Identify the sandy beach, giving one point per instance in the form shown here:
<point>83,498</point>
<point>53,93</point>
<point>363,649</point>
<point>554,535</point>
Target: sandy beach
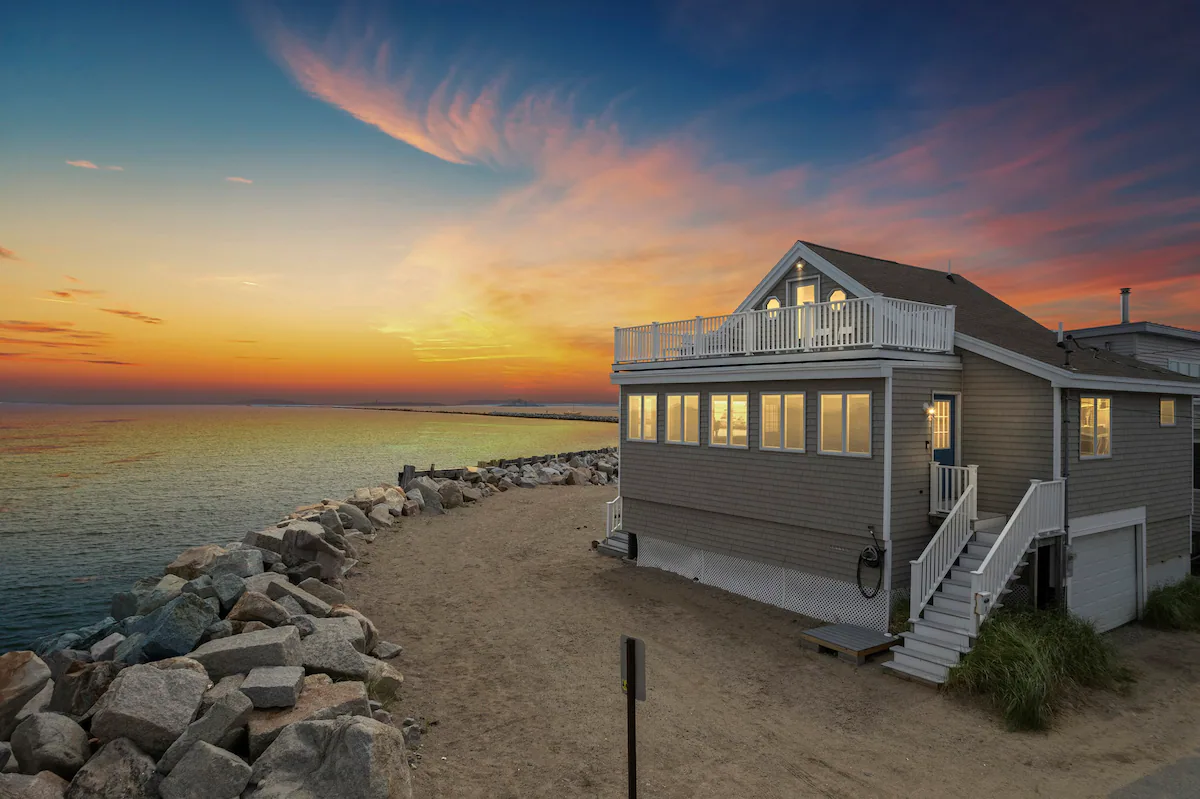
<point>510,626</point>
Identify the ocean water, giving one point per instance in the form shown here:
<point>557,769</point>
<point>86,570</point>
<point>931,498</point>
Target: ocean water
<point>92,498</point>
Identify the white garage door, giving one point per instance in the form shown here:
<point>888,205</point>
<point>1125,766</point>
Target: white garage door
<point>1104,577</point>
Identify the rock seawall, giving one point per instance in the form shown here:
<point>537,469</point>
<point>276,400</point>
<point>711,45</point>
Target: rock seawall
<point>241,670</point>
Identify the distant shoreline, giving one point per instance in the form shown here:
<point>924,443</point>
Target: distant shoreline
<point>570,417</point>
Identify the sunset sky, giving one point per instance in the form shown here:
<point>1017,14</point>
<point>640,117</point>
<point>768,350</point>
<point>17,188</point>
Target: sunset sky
<point>459,199</point>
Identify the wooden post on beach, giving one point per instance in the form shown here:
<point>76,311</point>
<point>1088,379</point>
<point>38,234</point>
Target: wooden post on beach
<point>407,475</point>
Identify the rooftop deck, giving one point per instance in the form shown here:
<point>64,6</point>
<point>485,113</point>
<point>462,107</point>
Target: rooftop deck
<point>864,323</point>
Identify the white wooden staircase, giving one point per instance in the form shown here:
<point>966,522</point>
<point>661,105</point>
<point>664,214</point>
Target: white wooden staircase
<point>963,576</point>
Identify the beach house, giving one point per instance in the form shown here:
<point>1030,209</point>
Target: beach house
<point>858,433</point>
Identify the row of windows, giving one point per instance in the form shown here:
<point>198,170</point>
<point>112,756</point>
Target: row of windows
<point>843,421</point>
<point>1095,424</point>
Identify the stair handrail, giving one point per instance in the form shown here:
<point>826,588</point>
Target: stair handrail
<point>613,511</point>
<point>1040,511</point>
<point>940,553</point>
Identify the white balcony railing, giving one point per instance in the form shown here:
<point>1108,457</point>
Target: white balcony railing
<point>1041,511</point>
<point>875,321</point>
<point>948,483</point>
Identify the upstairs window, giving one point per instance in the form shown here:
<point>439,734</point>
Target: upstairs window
<point>1166,412</point>
<point>1184,367</point>
<point>845,424</point>
<point>643,417</point>
<point>729,422</point>
<point>782,422</point>
<point>772,305</point>
<point>683,418</point>
<point>838,298</point>
<point>1095,427</point>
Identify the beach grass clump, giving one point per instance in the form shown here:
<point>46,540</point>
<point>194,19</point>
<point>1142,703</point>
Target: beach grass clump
<point>1028,664</point>
<point>1174,607</point>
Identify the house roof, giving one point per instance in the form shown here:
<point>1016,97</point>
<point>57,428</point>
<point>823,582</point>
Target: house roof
<point>1154,328</point>
<point>984,316</point>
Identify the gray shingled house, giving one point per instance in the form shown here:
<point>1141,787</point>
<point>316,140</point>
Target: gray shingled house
<point>1174,348</point>
<point>858,431</point>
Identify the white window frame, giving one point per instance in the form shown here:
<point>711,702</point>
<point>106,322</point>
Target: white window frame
<point>1174,413</point>
<point>729,410</point>
<point>682,419</point>
<point>1095,399</point>
<point>641,398</point>
<point>783,395</point>
<point>846,425</point>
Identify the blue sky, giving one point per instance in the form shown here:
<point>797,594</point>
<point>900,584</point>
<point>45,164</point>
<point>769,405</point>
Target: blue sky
<point>474,162</point>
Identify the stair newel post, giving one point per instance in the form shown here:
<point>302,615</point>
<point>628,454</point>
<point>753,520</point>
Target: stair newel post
<point>748,334</point>
<point>698,336</point>
<point>973,482</point>
<point>655,343</point>
<point>935,501</point>
<point>949,333</point>
<point>915,602</point>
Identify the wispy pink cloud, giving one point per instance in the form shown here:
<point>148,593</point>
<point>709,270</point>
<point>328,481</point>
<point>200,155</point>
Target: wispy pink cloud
<point>136,316</point>
<point>457,122</point>
<point>239,180</point>
<point>8,255</point>
<point>90,165</point>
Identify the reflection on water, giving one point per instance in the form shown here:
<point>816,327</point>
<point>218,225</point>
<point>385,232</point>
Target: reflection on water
<point>91,500</point>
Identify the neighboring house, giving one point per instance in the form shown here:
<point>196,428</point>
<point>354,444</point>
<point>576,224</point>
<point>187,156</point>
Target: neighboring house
<point>1174,348</point>
<point>858,431</point>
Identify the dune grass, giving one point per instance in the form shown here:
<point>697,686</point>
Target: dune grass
<point>1028,664</point>
<point>1174,607</point>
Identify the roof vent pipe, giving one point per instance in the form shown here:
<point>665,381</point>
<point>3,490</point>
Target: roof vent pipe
<point>1125,306</point>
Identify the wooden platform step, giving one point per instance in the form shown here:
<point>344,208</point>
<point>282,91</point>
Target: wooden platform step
<point>849,642</point>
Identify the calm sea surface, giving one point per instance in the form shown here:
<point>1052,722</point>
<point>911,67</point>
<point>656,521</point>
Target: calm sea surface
<point>94,498</point>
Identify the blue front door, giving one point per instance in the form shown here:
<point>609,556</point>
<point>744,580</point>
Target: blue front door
<point>945,429</point>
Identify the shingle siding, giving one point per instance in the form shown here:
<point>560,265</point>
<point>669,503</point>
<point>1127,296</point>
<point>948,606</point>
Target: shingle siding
<point>803,509</point>
<point>1150,465</point>
<point>1007,430</point>
<point>911,529</point>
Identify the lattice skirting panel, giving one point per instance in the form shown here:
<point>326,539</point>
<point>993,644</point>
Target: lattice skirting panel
<point>811,594</point>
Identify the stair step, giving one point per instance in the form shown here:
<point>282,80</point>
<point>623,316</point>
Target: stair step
<point>935,630</point>
<point>924,638</point>
<point>934,649</point>
<point>612,549</point>
<point>934,671</point>
<point>969,563</point>
<point>947,618</point>
<point>961,607</point>
<point>960,575</point>
<point>937,657</point>
<point>986,538</point>
<point>905,672</point>
<point>990,522</point>
<point>956,589</point>
<point>978,550</point>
